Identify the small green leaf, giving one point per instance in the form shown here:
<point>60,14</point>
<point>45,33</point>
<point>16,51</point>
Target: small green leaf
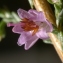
<point>48,41</point>
<point>7,17</point>
<point>2,30</point>
<point>60,37</point>
<point>31,3</point>
<point>50,1</point>
<point>59,21</point>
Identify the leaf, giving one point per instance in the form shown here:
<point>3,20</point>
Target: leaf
<point>2,30</point>
<point>59,21</point>
<point>50,1</point>
<point>31,3</point>
<point>8,16</point>
<point>60,37</point>
<point>58,5</point>
<point>13,17</point>
<point>48,41</point>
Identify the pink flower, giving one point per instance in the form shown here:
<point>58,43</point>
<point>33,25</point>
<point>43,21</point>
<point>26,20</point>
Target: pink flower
<point>33,26</point>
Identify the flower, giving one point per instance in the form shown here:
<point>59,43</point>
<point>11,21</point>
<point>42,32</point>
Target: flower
<point>33,25</point>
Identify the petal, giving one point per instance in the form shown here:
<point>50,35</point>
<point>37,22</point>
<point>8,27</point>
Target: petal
<point>42,35</point>
<point>27,39</point>
<point>10,24</point>
<point>37,16</point>
<point>21,40</point>
<point>33,12</point>
<point>23,14</point>
<point>48,27</point>
<point>30,42</point>
<point>17,28</point>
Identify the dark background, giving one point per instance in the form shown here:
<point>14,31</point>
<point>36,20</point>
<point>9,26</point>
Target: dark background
<point>10,52</point>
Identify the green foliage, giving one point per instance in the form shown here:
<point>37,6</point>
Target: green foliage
<point>7,17</point>
<point>60,37</point>
<point>48,41</point>
<point>31,3</point>
<point>59,21</point>
<point>58,6</point>
<point>50,1</point>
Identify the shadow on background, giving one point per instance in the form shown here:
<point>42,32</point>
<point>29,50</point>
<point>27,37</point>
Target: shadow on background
<point>10,52</point>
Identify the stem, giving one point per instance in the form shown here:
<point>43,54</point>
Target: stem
<point>42,5</point>
<point>57,45</point>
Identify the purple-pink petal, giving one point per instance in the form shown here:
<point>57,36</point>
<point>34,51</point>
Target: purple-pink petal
<point>37,16</point>
<point>23,14</point>
<point>10,24</point>
<point>27,39</point>
<point>46,28</point>
<point>17,28</point>
<point>21,40</point>
<point>42,34</point>
<point>30,42</point>
<point>33,12</point>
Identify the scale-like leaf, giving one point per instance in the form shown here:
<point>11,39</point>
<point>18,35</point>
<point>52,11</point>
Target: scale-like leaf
<point>59,21</point>
<point>50,1</point>
<point>31,3</point>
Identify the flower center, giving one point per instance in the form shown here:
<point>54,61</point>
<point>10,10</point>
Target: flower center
<point>29,25</point>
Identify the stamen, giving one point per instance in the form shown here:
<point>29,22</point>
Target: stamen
<point>29,25</point>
